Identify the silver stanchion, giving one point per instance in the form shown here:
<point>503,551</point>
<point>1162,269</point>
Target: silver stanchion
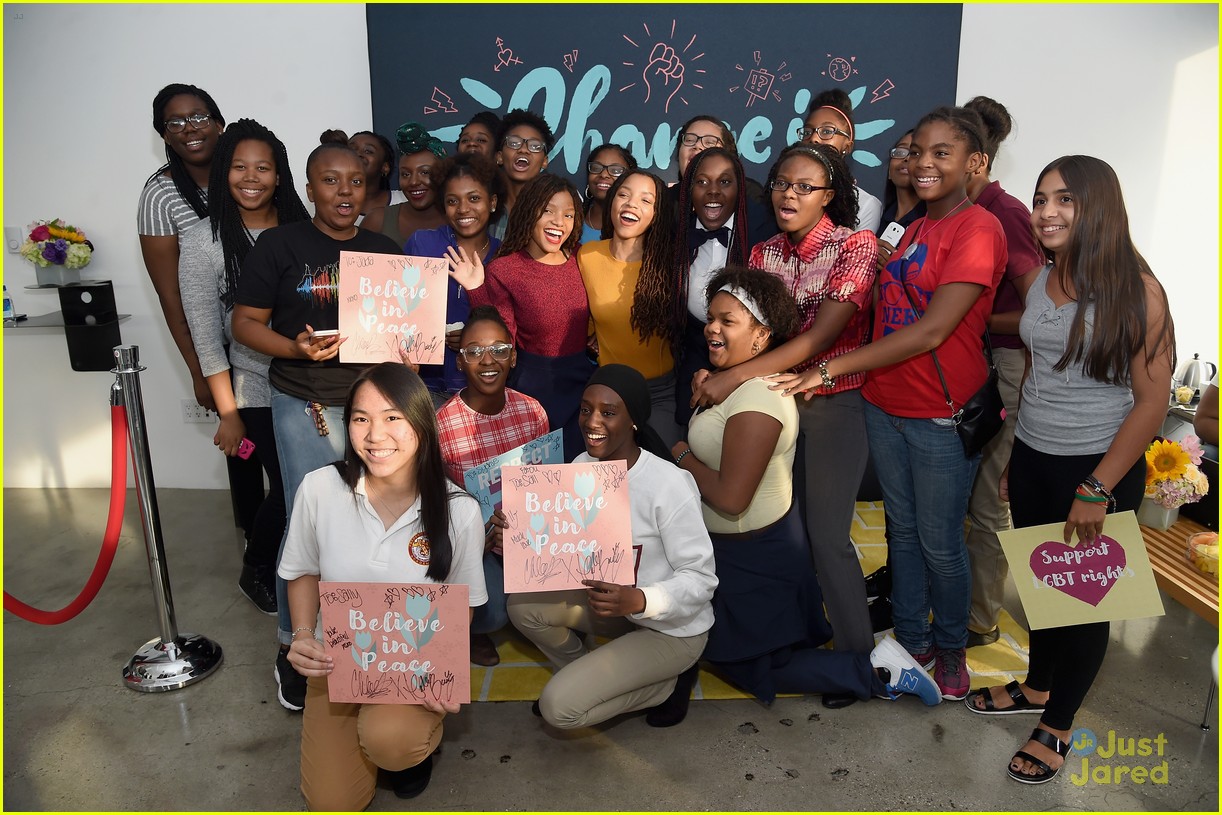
<point>173,660</point>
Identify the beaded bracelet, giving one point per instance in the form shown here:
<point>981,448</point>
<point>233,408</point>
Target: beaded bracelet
<point>303,628</point>
<point>681,455</point>
<point>828,381</point>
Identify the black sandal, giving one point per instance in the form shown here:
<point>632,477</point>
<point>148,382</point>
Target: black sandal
<point>1021,703</point>
<point>1045,773</point>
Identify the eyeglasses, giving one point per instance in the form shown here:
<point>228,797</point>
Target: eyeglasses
<point>474,353</point>
<point>825,132</point>
<point>613,170</point>
<point>900,152</point>
<point>691,140</point>
<point>198,122</point>
<point>515,143</point>
<point>800,187</point>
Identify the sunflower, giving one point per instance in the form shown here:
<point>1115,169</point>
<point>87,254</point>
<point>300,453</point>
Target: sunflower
<point>1165,460</point>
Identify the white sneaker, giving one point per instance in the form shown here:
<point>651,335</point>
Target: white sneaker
<point>907,676</point>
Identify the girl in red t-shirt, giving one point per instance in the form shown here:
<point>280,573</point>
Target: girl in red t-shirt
<point>933,296</point>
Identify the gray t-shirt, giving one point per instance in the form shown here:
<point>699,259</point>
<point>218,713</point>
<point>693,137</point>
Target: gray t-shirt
<point>163,211</point>
<point>1064,413</point>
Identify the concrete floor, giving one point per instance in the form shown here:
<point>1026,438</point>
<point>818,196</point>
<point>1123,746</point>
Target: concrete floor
<point>76,739</point>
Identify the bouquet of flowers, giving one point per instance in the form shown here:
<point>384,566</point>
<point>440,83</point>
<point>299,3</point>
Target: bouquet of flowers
<point>56,243</point>
<point>1172,475</point>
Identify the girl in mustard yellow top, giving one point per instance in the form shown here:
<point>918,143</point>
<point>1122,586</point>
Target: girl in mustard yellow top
<point>630,293</point>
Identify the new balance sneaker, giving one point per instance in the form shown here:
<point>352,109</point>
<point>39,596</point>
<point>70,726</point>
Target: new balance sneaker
<point>290,685</point>
<point>951,674</point>
<point>906,674</point>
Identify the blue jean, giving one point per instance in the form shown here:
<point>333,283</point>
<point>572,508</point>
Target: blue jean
<point>492,615</point>
<point>926,482</point>
<point>301,450</point>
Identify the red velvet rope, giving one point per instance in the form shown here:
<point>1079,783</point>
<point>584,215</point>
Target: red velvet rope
<point>110,541</point>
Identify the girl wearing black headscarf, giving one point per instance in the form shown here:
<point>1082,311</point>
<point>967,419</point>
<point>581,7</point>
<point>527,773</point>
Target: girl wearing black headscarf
<point>659,624</point>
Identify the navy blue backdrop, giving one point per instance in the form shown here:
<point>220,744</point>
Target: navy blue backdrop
<point>632,74</point>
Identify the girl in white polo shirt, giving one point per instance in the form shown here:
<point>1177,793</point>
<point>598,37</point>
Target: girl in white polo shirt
<point>385,513</point>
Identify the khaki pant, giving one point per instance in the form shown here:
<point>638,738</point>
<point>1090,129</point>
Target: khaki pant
<point>342,746</point>
<point>987,512</point>
<point>636,670</point>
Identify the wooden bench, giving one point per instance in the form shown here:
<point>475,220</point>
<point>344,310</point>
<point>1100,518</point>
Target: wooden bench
<point>1175,575</point>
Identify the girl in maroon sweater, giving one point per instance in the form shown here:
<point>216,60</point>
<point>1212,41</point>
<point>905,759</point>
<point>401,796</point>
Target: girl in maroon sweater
<point>535,284</point>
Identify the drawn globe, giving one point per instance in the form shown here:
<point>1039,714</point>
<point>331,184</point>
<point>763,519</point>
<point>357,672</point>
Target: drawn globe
<point>839,69</point>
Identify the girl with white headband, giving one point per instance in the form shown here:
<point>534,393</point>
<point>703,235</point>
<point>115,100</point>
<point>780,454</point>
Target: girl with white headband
<point>768,608</point>
<point>829,270</point>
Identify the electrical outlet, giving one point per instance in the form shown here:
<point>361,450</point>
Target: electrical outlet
<point>192,413</point>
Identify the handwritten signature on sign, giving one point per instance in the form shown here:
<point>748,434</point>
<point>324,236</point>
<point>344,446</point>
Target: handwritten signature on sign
<point>409,684</point>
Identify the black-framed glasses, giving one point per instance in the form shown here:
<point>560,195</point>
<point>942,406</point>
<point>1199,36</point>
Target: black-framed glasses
<point>825,132</point>
<point>691,140</point>
<point>198,122</point>
<point>516,142</point>
<point>800,187</point>
<point>900,152</point>
<point>613,170</point>
<point>474,353</point>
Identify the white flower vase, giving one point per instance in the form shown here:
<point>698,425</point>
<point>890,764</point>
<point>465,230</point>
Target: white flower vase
<point>1156,517</point>
<point>54,275</point>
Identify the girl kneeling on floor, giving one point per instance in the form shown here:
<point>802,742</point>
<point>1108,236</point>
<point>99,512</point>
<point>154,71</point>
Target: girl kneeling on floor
<point>352,522</point>
<point>661,623</point>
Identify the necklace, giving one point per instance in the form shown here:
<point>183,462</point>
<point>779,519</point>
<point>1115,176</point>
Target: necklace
<point>923,233</point>
<point>374,496</point>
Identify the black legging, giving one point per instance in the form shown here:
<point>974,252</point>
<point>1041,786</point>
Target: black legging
<point>267,527</point>
<point>1065,660</point>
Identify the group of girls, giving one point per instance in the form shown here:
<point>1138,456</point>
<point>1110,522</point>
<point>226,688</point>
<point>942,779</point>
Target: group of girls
<point>751,464</point>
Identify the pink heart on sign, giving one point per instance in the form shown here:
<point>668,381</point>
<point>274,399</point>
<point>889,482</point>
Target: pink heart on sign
<point>1086,572</point>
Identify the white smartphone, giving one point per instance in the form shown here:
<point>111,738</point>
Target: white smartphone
<point>326,332</point>
<point>892,233</point>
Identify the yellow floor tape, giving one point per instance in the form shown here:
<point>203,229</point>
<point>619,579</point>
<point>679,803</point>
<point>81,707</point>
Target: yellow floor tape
<point>523,670</point>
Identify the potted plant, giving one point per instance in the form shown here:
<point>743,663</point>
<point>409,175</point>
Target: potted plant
<point>1172,480</point>
<point>58,251</point>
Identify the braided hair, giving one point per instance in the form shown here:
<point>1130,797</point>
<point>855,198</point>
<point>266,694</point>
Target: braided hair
<point>739,251</point>
<point>187,188</point>
<point>842,209</point>
<point>530,206</point>
<point>652,309</point>
<point>224,212</point>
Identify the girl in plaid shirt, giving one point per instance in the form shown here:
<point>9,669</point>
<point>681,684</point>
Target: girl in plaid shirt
<point>483,420</point>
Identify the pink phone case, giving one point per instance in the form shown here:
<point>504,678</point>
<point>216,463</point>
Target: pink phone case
<point>245,448</point>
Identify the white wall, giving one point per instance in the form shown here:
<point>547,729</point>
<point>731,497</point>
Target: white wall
<point>84,154</point>
<point>1136,86</point>
<point>1091,79</point>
